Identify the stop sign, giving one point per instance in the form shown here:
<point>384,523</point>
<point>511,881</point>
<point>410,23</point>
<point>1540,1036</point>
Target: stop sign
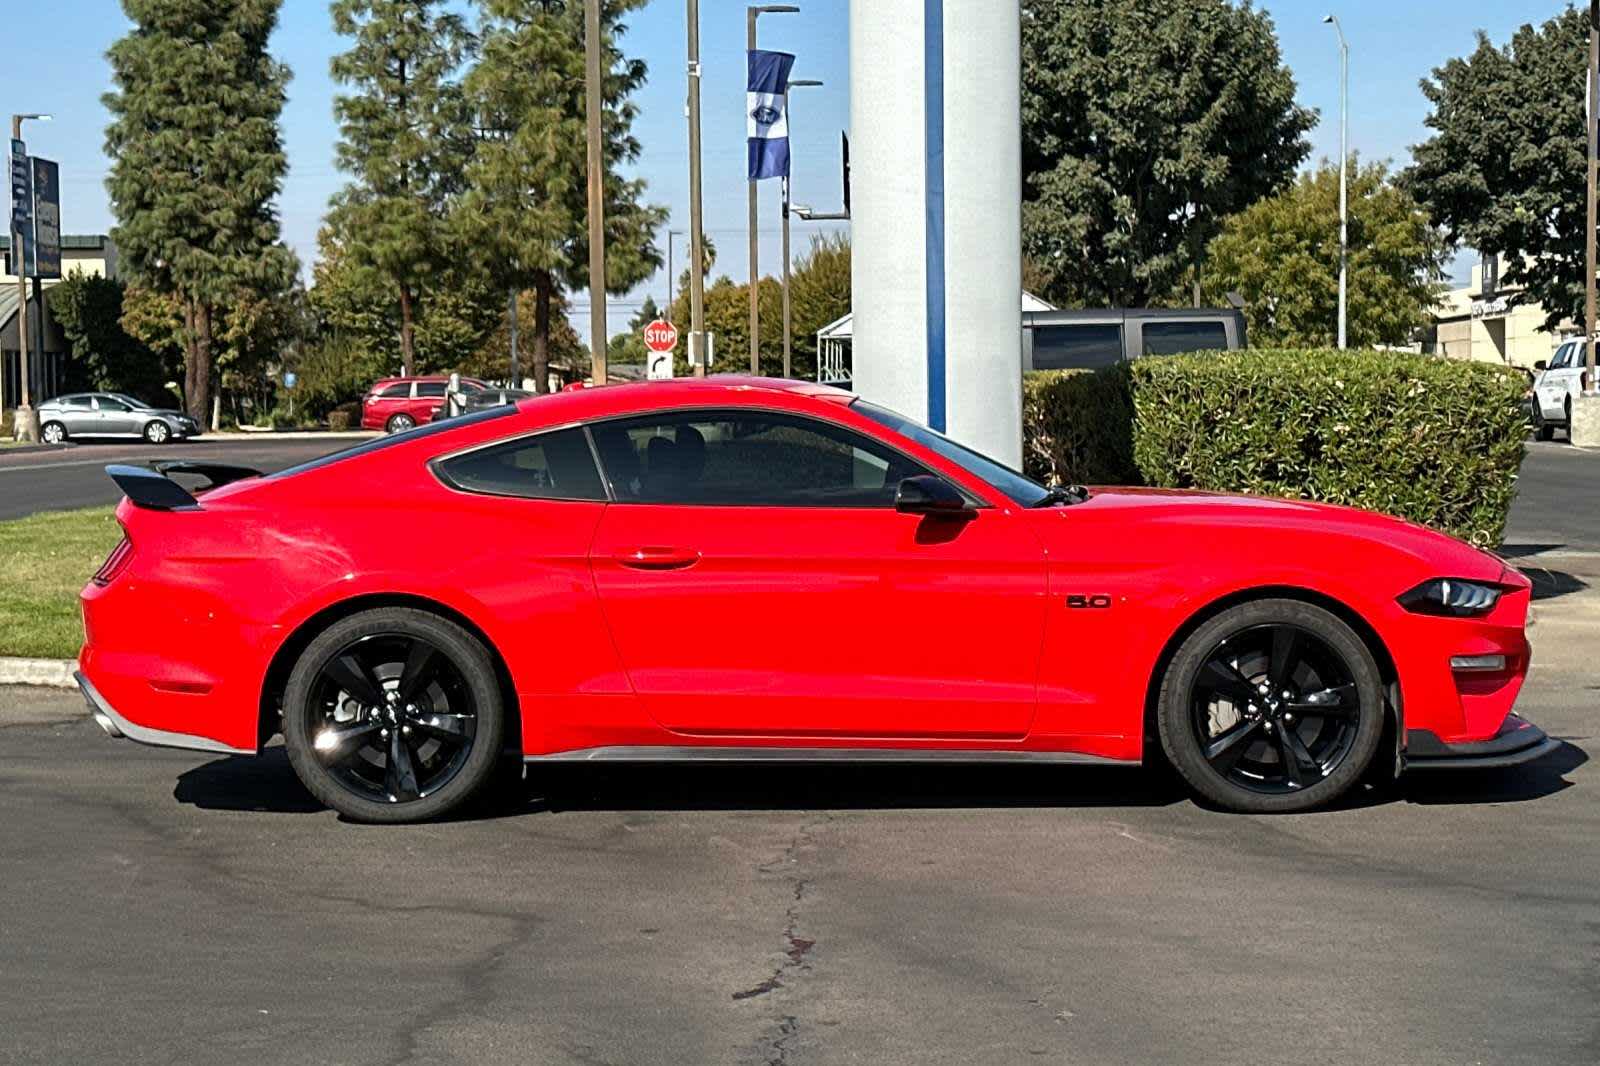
<point>661,336</point>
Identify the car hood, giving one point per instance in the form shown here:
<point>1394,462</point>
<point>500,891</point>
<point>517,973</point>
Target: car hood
<point>1244,519</point>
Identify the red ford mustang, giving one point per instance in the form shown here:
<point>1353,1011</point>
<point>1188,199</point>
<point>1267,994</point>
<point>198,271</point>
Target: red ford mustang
<point>747,569</point>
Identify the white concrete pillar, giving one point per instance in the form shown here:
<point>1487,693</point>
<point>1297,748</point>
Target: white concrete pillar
<point>936,164</point>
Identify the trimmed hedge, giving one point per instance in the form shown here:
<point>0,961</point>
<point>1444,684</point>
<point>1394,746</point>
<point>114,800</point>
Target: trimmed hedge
<point>1432,440</point>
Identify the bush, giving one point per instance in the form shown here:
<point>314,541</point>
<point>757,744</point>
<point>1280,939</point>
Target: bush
<point>1435,441</point>
<point>344,416</point>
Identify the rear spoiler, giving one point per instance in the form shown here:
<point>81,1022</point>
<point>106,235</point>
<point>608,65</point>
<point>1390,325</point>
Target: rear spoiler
<point>149,487</point>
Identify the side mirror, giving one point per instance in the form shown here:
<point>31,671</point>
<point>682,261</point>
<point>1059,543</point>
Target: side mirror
<point>1542,364</point>
<point>929,495</point>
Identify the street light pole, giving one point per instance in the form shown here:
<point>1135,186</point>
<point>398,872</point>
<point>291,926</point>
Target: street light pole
<point>597,203</point>
<point>697,281</point>
<point>26,426</point>
<point>751,14</point>
<point>788,332</point>
<point>1344,179</point>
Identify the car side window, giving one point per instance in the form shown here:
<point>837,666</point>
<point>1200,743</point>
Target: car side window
<point>551,466</point>
<point>108,404</point>
<point>80,403</point>
<point>747,459</point>
<point>1171,338</point>
<point>431,389</point>
<point>1077,346</point>
<point>1560,358</point>
<point>401,391</point>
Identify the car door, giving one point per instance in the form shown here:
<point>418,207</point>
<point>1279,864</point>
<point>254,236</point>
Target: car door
<point>78,416</point>
<point>758,581</point>
<point>116,418</point>
<point>430,397</point>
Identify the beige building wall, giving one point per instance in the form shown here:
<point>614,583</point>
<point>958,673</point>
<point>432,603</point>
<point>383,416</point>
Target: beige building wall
<point>1472,324</point>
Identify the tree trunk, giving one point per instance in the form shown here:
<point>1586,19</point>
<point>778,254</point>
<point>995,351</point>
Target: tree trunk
<point>197,360</point>
<point>408,353</point>
<point>541,332</point>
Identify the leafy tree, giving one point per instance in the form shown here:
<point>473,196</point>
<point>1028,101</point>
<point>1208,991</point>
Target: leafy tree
<point>197,163</point>
<point>1282,255</point>
<point>354,300</point>
<point>1145,123</point>
<point>405,137</point>
<point>1504,169</point>
<point>819,293</point>
<point>492,359</point>
<point>526,211</point>
<point>104,356</point>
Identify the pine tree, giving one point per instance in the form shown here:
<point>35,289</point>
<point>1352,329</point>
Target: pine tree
<point>525,212</point>
<point>405,138</point>
<point>197,163</point>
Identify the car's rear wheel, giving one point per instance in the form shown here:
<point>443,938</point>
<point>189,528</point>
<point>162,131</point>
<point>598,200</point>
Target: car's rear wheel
<point>400,423</point>
<point>157,432</point>
<point>1542,429</point>
<point>53,433</point>
<point>394,715</point>
<point>1272,706</point>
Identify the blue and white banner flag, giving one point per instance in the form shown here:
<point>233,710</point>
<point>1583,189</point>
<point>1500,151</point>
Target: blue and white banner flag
<point>767,114</point>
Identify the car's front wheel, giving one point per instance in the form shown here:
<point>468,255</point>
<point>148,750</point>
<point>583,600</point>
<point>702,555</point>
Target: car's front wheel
<point>400,423</point>
<point>157,432</point>
<point>1272,706</point>
<point>53,433</point>
<point>394,715</point>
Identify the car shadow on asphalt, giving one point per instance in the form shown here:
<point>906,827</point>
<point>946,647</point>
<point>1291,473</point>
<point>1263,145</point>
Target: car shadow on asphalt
<point>267,784</point>
<point>1547,583</point>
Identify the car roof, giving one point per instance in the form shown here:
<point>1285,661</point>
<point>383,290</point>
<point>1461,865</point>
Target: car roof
<point>644,396</point>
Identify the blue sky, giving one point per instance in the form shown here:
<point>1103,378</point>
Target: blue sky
<point>60,69</point>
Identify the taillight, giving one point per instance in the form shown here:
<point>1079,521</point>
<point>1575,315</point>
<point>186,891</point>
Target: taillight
<point>114,562</point>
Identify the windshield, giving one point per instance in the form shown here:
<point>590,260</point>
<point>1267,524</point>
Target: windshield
<point>1018,487</point>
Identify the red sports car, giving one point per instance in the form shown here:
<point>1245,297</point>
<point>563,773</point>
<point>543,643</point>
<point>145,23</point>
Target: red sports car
<point>761,570</point>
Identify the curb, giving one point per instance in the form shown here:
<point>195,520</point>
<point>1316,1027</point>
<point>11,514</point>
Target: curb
<point>29,449</point>
<point>49,673</point>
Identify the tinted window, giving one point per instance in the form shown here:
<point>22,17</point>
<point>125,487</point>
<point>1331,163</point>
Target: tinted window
<point>79,403</point>
<point>430,388</point>
<point>1169,338</point>
<point>1019,487</point>
<point>1076,347</point>
<point>747,458</point>
<point>551,466</point>
<point>401,391</point>
<point>108,404</point>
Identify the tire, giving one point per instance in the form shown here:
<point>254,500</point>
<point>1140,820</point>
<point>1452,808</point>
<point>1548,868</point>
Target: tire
<point>53,433</point>
<point>399,423</point>
<point>1226,735</point>
<point>157,432</point>
<point>450,736</point>
<point>1569,419</point>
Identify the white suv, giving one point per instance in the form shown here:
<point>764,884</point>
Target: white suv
<point>1553,390</point>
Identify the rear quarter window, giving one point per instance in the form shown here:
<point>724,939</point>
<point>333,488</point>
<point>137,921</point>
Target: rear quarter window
<point>551,466</point>
<point>1077,346</point>
<point>1170,338</point>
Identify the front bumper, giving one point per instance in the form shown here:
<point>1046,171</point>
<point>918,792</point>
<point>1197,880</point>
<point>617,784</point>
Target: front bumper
<point>116,725</point>
<point>1517,742</point>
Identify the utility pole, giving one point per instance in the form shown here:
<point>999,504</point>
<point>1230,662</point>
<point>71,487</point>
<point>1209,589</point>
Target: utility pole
<point>1593,113</point>
<point>1344,179</point>
<point>597,192</point>
<point>788,332</point>
<point>26,425</point>
<point>516,363</point>
<point>751,14</point>
<point>697,248</point>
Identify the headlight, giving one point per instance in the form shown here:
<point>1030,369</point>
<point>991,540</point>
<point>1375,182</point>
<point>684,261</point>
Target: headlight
<point>1452,597</point>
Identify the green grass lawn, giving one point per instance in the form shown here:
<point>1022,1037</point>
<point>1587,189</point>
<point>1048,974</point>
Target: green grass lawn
<point>44,561</point>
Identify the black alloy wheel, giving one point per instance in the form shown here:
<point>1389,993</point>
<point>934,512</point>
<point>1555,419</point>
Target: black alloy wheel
<point>393,715</point>
<point>1274,705</point>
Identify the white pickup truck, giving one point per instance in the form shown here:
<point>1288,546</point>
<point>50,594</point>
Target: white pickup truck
<point>1557,383</point>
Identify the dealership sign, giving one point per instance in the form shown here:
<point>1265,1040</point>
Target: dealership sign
<point>23,261</point>
<point>1494,308</point>
<point>46,219</point>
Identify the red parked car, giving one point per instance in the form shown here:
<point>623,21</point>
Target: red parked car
<point>743,569</point>
<point>397,404</point>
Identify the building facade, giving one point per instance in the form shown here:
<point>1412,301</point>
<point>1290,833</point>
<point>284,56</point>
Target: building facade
<point>92,255</point>
<point>1480,322</point>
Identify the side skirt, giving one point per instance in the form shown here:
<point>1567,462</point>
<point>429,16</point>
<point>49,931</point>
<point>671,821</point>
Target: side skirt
<point>759,753</point>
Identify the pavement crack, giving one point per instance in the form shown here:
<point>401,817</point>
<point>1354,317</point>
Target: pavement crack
<point>774,1046</point>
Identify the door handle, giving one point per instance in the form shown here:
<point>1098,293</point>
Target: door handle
<point>653,558</point>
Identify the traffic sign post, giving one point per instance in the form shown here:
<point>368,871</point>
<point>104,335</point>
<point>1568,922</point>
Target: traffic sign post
<point>661,337</point>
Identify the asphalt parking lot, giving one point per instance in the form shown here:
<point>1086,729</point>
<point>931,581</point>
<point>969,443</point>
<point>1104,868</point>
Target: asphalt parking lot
<point>171,907</point>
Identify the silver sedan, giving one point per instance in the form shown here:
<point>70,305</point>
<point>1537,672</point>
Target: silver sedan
<point>111,414</point>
